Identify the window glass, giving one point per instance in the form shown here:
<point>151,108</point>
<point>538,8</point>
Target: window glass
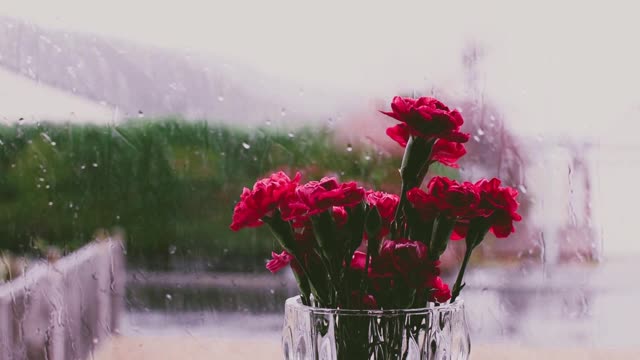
<point>142,121</point>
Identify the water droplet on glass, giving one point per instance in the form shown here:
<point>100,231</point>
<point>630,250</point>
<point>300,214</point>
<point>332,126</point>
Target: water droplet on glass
<point>140,114</point>
<point>476,138</point>
<point>522,189</point>
<point>492,118</point>
<point>272,291</point>
<point>13,165</point>
<point>172,249</point>
<point>268,122</point>
<point>95,340</point>
<point>53,143</point>
<point>41,179</point>
<point>38,186</point>
<point>168,297</point>
<point>117,217</point>
<point>50,203</point>
<point>95,165</point>
<point>46,187</point>
<point>291,135</point>
<point>246,146</point>
<point>83,167</point>
<point>283,112</point>
<point>349,148</point>
<point>367,157</point>
<point>221,98</point>
<point>480,132</point>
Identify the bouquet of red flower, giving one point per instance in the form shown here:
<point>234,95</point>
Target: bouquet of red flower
<point>353,248</point>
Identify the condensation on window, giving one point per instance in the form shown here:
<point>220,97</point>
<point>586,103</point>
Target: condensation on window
<point>128,130</point>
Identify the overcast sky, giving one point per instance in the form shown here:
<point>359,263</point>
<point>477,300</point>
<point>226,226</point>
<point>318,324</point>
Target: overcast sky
<point>550,65</point>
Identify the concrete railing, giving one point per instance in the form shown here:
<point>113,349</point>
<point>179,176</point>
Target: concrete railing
<point>63,310</point>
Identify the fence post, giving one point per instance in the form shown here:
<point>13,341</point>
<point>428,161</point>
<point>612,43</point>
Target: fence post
<point>64,309</point>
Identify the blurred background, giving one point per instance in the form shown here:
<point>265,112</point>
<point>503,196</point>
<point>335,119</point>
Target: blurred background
<point>142,121</point>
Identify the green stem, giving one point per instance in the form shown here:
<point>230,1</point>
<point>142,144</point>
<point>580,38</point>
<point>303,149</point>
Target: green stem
<point>303,284</point>
<point>458,284</point>
<point>415,165</point>
<point>401,205</point>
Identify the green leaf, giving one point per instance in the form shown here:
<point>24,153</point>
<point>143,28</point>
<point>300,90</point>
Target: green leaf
<point>441,236</point>
<point>357,217</point>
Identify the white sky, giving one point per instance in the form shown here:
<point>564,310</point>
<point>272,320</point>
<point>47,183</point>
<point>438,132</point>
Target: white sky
<point>552,66</point>
<point>18,95</point>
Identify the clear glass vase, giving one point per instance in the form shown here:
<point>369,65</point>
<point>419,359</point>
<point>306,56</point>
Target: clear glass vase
<point>436,332</point>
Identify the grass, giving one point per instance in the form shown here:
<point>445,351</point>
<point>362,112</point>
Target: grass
<point>170,184</point>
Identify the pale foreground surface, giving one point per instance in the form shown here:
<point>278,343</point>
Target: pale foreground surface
<point>207,348</point>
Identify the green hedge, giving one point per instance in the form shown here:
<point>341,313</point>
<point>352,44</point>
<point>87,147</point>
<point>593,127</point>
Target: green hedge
<point>170,184</point>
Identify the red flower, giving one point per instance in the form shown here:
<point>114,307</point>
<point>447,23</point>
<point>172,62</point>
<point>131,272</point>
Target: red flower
<point>386,205</point>
<point>317,196</point>
<point>454,199</point>
<point>447,152</point>
<point>358,261</point>
<point>292,210</point>
<point>340,216</point>
<point>363,301</point>
<point>279,261</point>
<point>500,205</point>
<point>460,230</point>
<point>424,203</point>
<point>405,260</point>
<point>439,290</point>
<point>425,117</point>
<point>399,133</point>
<point>266,196</point>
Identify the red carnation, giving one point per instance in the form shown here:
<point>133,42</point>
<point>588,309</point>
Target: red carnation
<point>500,205</point>
<point>340,216</point>
<point>317,196</point>
<point>358,261</point>
<point>439,290</point>
<point>454,199</point>
<point>399,133</point>
<point>363,301</point>
<point>460,230</point>
<point>427,118</point>
<point>424,203</point>
<point>266,196</point>
<point>447,152</point>
<point>405,260</point>
<point>386,204</point>
<point>279,261</point>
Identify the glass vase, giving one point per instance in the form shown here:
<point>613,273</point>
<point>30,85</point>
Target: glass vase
<point>435,332</point>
